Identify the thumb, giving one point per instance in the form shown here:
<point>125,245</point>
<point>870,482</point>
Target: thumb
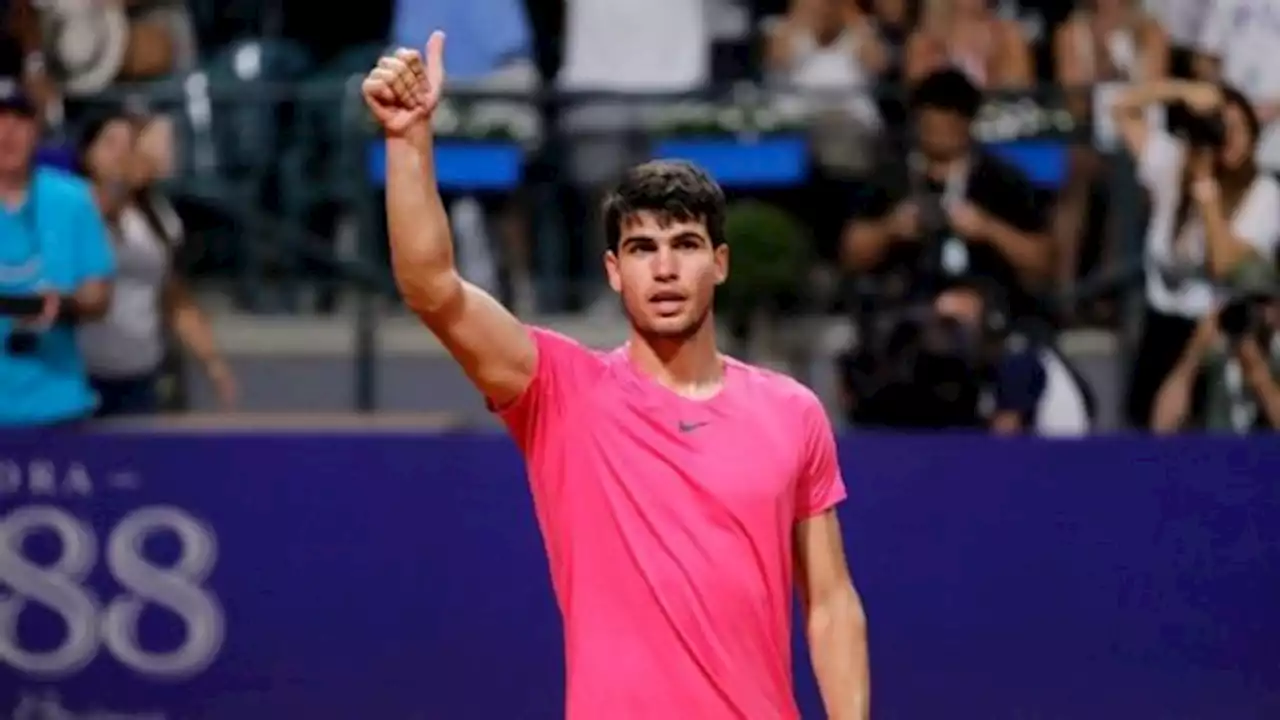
<point>435,59</point>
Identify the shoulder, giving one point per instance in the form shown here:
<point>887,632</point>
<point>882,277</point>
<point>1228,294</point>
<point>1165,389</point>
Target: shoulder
<point>1264,202</point>
<point>995,171</point>
<point>1268,191</point>
<point>778,390</point>
<point>63,186</point>
<point>998,183</point>
<point>1009,31</point>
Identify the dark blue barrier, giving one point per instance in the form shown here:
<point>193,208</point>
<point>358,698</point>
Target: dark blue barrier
<point>402,576</point>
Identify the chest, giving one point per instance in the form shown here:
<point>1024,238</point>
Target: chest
<point>141,258</point>
<point>33,257</point>
<point>695,461</point>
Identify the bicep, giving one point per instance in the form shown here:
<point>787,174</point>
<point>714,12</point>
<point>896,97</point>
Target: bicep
<point>821,566</point>
<point>493,347</point>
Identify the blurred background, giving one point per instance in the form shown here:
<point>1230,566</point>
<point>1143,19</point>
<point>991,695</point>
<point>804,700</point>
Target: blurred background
<point>266,174</point>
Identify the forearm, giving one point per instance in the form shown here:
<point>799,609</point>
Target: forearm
<point>418,226</point>
<point>1136,98</point>
<point>1267,392</point>
<point>88,303</point>
<point>1029,253</point>
<point>837,634</point>
<point>192,327</point>
<point>865,244</point>
<point>1224,250</point>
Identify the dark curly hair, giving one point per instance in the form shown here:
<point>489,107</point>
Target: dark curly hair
<point>676,190</point>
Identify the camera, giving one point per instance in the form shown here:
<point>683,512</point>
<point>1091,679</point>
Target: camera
<point>1245,316</point>
<point>916,369</point>
<point>931,215</point>
<point>1206,132</point>
<point>21,343</point>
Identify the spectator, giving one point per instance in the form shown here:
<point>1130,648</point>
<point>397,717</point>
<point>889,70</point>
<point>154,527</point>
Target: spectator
<point>53,246</point>
<point>1183,22</point>
<point>124,350</point>
<point>490,49</point>
<point>1103,44</point>
<point>1239,44</point>
<point>829,52</point>
<point>90,45</point>
<point>960,367</point>
<point>968,35</point>
<point>958,211</point>
<point>827,47</point>
<point>1235,356</point>
<point>1211,212</point>
<point>620,46</point>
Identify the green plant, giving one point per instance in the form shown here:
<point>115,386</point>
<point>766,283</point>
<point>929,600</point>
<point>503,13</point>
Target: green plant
<point>770,255</point>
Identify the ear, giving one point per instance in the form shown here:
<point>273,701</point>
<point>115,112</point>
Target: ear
<point>721,253</point>
<point>612,271</point>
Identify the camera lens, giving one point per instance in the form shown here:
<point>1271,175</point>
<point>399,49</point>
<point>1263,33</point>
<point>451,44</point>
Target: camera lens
<point>21,343</point>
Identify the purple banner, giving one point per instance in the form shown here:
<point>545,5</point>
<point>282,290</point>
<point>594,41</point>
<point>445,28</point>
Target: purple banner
<point>400,575</point>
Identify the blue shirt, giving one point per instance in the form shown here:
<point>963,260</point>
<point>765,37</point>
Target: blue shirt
<point>56,242</point>
<point>481,35</point>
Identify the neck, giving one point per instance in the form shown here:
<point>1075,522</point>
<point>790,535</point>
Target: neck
<point>13,188</point>
<point>688,366</point>
<point>941,170</point>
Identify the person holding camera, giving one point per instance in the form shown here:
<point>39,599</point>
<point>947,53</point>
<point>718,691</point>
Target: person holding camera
<point>1211,213</point>
<point>125,349</point>
<point>957,211</point>
<point>1234,359</point>
<point>954,364</point>
<point>56,267</point>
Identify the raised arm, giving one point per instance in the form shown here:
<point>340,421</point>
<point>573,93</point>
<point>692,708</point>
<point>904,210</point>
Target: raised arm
<point>492,346</point>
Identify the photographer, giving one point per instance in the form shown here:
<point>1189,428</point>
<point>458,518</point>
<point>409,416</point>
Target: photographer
<point>55,266</point>
<point>953,365</point>
<point>1211,211</point>
<point>958,210</point>
<point>1234,359</point>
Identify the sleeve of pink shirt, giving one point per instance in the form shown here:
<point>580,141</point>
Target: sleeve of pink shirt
<point>821,485</point>
<point>564,367</point>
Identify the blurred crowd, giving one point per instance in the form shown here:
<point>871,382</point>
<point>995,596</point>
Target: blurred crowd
<point>956,268</point>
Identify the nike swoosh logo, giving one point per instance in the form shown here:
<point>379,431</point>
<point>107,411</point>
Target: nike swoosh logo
<point>690,426</point>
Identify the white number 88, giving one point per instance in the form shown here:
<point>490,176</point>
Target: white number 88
<point>59,587</point>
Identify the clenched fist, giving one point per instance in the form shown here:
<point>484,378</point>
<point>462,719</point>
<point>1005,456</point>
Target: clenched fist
<point>403,90</point>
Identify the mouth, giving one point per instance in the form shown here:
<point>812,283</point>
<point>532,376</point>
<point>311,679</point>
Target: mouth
<point>667,303</point>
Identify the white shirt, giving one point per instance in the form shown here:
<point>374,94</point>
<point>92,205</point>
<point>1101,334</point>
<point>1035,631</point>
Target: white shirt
<point>1183,20</point>
<point>130,341</point>
<point>1256,221</point>
<point>1062,410</point>
<point>833,76</point>
<point>636,45</point>
<point>1244,34</point>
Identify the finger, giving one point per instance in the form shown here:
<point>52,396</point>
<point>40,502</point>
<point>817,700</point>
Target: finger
<point>408,57</point>
<point>378,86</point>
<point>435,62</point>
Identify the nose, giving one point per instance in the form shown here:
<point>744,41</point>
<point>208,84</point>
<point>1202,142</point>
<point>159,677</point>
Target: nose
<point>665,264</point>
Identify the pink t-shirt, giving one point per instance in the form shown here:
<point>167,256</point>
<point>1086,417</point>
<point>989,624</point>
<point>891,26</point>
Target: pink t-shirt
<point>668,525</point>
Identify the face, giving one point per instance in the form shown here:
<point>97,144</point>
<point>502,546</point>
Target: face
<point>822,15</point>
<point>18,136</point>
<point>1239,145</point>
<point>666,271</point>
<point>944,135</point>
<point>109,158</point>
<point>891,11</point>
<point>970,7</point>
